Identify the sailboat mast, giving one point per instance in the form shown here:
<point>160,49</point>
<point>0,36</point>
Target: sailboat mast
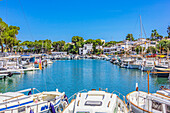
<point>140,26</point>
<point>141,30</point>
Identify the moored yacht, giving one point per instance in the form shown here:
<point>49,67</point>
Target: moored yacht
<point>147,65</point>
<point>16,102</point>
<point>163,70</point>
<point>135,62</point>
<point>96,102</point>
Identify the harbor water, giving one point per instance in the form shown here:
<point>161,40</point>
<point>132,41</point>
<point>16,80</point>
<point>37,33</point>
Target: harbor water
<point>71,76</point>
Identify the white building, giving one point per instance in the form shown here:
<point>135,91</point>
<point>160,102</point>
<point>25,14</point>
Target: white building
<point>86,49</point>
<point>141,40</point>
<point>148,44</point>
<point>109,50</point>
<point>99,47</point>
<point>59,53</point>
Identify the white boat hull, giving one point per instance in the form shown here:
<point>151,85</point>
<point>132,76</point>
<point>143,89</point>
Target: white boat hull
<point>146,68</point>
<point>137,110</point>
<point>133,67</point>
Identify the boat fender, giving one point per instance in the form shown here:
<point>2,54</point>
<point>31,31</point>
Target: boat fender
<point>29,93</point>
<point>31,111</point>
<point>136,86</point>
<point>66,99</point>
<point>52,108</point>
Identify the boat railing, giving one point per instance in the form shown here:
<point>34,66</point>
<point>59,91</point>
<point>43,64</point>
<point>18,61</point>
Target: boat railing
<point>121,96</point>
<point>74,95</point>
<point>100,89</point>
<point>36,106</point>
<point>147,101</point>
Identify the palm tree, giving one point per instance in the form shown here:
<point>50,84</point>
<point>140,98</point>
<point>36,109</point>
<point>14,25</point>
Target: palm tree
<point>168,31</point>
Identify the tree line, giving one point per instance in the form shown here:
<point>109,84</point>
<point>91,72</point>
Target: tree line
<point>10,43</point>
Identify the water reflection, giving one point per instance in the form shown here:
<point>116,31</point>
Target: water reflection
<point>75,75</point>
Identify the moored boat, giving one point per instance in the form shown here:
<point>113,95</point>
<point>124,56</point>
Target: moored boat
<point>162,72</point>
<point>142,102</point>
<point>96,102</point>
<point>16,102</point>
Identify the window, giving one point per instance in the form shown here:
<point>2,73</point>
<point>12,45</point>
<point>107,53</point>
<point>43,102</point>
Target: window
<point>21,109</point>
<point>156,105</point>
<point>93,103</point>
<point>167,109</point>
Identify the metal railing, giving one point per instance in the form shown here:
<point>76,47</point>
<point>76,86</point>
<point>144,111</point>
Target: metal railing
<point>74,95</point>
<point>121,96</point>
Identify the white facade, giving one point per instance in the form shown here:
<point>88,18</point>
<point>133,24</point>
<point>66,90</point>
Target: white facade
<point>142,40</point>
<point>99,47</point>
<point>149,44</point>
<point>109,50</point>
<point>59,53</point>
<point>86,49</point>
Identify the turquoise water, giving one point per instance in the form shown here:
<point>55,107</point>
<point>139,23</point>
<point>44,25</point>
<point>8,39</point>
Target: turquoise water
<point>71,76</point>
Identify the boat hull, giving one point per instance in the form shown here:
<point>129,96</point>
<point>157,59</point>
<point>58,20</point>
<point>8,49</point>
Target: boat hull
<point>146,68</point>
<point>137,110</point>
<point>133,67</point>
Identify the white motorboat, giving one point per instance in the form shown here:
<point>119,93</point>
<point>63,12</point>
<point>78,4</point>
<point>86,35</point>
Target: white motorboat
<point>5,73</point>
<point>142,102</point>
<point>124,65</point>
<point>147,65</point>
<point>135,62</point>
<point>96,102</point>
<point>3,76</point>
<point>49,61</point>
<point>18,102</point>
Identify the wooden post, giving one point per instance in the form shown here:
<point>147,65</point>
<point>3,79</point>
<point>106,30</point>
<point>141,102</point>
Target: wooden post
<point>168,57</point>
<point>148,87</point>
<point>148,80</point>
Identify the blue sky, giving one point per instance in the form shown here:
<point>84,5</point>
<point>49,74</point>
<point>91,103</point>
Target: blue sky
<point>105,19</point>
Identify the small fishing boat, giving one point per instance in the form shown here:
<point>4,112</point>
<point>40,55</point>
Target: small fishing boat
<point>2,76</point>
<point>147,65</point>
<point>146,102</point>
<point>4,73</point>
<point>162,72</point>
<point>49,61</point>
<point>142,102</point>
<point>19,102</point>
<point>96,102</point>
<point>124,64</point>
